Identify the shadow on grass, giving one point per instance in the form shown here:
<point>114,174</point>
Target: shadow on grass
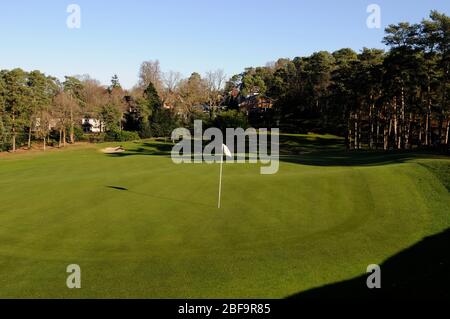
<point>311,150</point>
<point>120,188</point>
<point>303,144</point>
<point>419,272</point>
<point>352,158</point>
<point>319,151</point>
<point>441,170</point>
<point>153,148</point>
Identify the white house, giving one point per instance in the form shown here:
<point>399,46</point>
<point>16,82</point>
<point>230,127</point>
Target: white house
<point>91,125</point>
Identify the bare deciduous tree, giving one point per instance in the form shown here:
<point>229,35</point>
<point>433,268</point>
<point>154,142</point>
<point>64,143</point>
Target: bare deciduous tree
<point>150,71</point>
<point>63,104</point>
<point>192,92</point>
<point>215,81</point>
<point>171,82</point>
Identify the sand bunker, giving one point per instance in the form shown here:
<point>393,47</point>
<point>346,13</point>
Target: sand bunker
<point>111,150</point>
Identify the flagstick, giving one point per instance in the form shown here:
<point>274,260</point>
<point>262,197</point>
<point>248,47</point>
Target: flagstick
<point>220,178</point>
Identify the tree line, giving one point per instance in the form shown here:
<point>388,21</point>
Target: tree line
<point>376,99</point>
<point>36,107</point>
<point>390,100</point>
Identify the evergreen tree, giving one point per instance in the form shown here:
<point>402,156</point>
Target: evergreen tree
<point>115,84</point>
<point>152,98</point>
<point>17,93</point>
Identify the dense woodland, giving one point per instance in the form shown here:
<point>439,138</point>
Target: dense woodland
<point>391,100</point>
<point>396,99</point>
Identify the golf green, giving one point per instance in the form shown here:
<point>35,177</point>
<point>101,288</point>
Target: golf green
<point>141,226</point>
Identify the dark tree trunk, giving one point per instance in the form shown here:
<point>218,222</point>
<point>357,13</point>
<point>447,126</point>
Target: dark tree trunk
<point>408,133</point>
<point>401,140</point>
<point>446,135</point>
<point>29,135</point>
<point>377,139</point>
<point>420,130</point>
<point>372,129</point>
<point>13,132</point>
<point>348,136</point>
<point>386,130</point>
<point>356,130</point>
<point>72,129</point>
<point>395,123</point>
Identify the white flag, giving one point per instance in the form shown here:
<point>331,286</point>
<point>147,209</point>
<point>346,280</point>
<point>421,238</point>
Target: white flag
<point>226,150</point>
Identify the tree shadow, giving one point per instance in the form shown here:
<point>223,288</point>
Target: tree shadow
<point>441,170</point>
<point>419,272</point>
<point>303,144</point>
<point>152,148</point>
<point>120,188</point>
<point>311,150</point>
<point>352,158</point>
<point>315,150</point>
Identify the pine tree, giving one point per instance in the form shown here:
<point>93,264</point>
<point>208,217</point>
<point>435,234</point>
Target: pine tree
<point>15,101</point>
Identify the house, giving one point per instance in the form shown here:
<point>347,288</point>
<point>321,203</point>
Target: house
<point>91,125</point>
<point>255,102</point>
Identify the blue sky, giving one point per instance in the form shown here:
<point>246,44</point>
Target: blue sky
<point>187,35</point>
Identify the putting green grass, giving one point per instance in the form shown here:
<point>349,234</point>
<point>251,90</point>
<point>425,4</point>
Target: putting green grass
<point>140,226</point>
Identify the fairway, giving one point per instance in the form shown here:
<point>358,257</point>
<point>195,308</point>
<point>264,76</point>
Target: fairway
<point>141,226</point>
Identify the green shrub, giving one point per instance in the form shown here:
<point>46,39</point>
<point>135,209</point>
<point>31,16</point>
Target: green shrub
<point>121,136</point>
<point>145,131</point>
<point>230,119</point>
<point>94,138</point>
<point>78,133</point>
